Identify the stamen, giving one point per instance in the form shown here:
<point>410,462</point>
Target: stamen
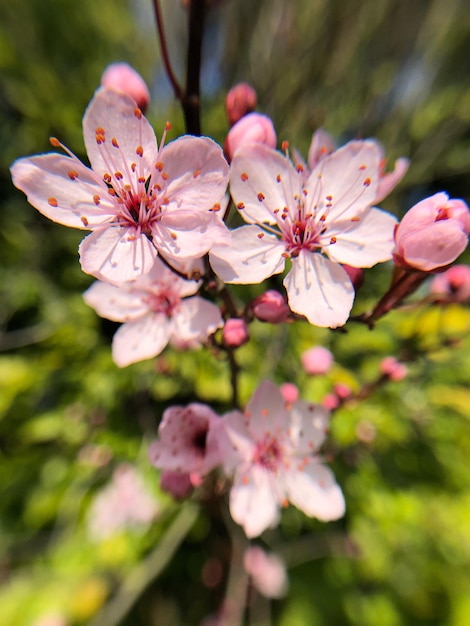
<point>73,175</point>
<point>53,202</point>
<point>261,196</point>
<point>244,177</point>
<point>139,151</point>
<point>240,206</point>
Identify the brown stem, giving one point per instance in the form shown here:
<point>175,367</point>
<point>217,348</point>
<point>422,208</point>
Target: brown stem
<point>191,101</point>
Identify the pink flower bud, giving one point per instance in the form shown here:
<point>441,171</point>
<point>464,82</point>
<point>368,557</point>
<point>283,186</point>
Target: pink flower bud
<point>331,401</point>
<point>317,361</point>
<point>432,234</point>
<point>392,368</point>
<point>178,484</point>
<point>235,333</point>
<point>240,100</point>
<point>252,128</point>
<point>122,77</point>
<point>356,274</point>
<point>267,571</point>
<point>342,390</point>
<point>290,392</point>
<point>271,307</point>
<point>453,284</point>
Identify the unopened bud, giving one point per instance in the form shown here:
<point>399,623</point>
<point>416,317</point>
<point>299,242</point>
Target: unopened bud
<point>122,77</point>
<point>393,369</point>
<point>235,333</point>
<point>252,128</point>
<point>317,361</point>
<point>240,101</point>
<point>271,307</point>
<point>290,392</point>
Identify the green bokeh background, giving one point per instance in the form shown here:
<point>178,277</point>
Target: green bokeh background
<point>401,556</point>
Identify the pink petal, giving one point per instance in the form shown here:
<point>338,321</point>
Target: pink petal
<point>320,290</point>
<point>262,180</point>
<point>250,258</point>
<point>422,214</point>
<point>117,114</point>
<point>315,492</point>
<point>309,427</point>
<point>116,254</point>
<point>266,412</point>
<point>365,242</point>
<point>195,320</point>
<point>237,443</point>
<point>321,146</point>
<point>115,303</point>
<point>390,180</point>
<point>433,246</point>
<point>141,339</point>
<point>62,189</point>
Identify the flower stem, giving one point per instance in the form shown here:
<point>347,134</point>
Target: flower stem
<point>191,101</point>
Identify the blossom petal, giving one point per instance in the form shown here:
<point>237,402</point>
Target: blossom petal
<point>115,303</point>
<point>141,339</point>
<point>253,503</point>
<point>315,492</point>
<point>118,116</point>
<point>319,289</point>
<point>252,256</point>
<point>308,428</point>
<point>390,180</point>
<point>195,320</point>
<point>262,180</point>
<point>64,190</point>
<point>433,246</point>
<point>364,242</point>
<point>266,412</point>
<point>116,255</point>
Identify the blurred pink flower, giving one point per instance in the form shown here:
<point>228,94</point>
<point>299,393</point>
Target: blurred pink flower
<point>317,361</point>
<point>124,504</point>
<point>178,484</point>
<point>122,77</point>
<point>432,234</point>
<point>157,309</point>
<point>267,571</point>
<point>270,306</point>
<point>290,392</point>
<point>235,333</point>
<point>393,369</point>
<point>271,451</point>
<point>453,285</point>
<point>318,224</point>
<point>139,199</point>
<point>252,128</point>
<point>240,100</point>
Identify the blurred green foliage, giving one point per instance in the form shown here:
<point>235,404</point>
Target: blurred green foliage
<point>68,416</point>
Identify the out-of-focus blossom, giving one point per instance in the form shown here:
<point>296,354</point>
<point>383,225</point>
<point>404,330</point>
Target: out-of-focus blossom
<point>271,306</point>
<point>122,77</point>
<point>235,333</point>
<point>124,504</point>
<point>240,100</point>
<point>453,285</point>
<point>331,401</point>
<point>178,484</point>
<point>342,390</point>
<point>393,369</point>
<point>432,234</point>
<point>317,361</point>
<point>318,224</point>
<point>252,128</point>
<point>157,308</point>
<point>270,449</point>
<point>290,392</point>
<point>138,199</point>
<point>188,441</point>
<point>267,571</point>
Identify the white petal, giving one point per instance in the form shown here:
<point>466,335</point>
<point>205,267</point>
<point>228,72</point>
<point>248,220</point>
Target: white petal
<point>63,190</point>
<point>319,289</point>
<point>141,339</point>
<point>249,259</point>
<point>314,491</point>
<point>195,320</point>
<point>309,427</point>
<point>116,255</point>
<point>253,503</point>
<point>257,169</point>
<point>266,412</point>
<point>120,304</point>
<point>115,113</point>
<point>365,242</point>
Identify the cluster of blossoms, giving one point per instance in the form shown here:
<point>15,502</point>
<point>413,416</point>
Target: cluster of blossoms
<point>157,214</point>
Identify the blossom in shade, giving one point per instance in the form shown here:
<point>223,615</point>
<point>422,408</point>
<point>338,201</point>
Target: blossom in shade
<point>188,441</point>
<point>124,504</point>
<point>267,571</point>
<point>318,223</point>
<point>157,308</point>
<point>139,199</point>
<point>432,234</point>
<point>270,450</point>
<point>317,361</point>
<point>252,128</point>
<point>122,77</point>
<point>453,285</point>
<point>240,100</point>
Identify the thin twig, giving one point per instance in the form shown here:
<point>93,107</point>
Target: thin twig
<point>191,100</point>
<point>164,50</point>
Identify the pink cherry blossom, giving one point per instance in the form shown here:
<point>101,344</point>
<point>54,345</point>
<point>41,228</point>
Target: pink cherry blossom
<point>432,234</point>
<point>317,361</point>
<point>157,308</point>
<point>122,77</point>
<point>139,199</point>
<point>393,369</point>
<point>290,392</point>
<point>235,333</point>
<point>252,128</point>
<point>270,307</point>
<point>240,100</point>
<point>267,571</point>
<point>318,224</point>
<point>453,285</point>
<point>188,441</point>
<point>270,449</point>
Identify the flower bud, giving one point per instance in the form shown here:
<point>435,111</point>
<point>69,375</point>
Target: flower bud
<point>453,284</point>
<point>122,77</point>
<point>235,333</point>
<point>317,361</point>
<point>267,571</point>
<point>290,392</point>
<point>240,100</point>
<point>252,128</point>
<point>271,307</point>
<point>393,369</point>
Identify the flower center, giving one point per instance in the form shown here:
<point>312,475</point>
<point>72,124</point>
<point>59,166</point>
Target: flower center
<point>268,453</point>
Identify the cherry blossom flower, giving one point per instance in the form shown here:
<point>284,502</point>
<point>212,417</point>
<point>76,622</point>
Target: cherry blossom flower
<point>432,234</point>
<point>138,199</point>
<point>252,128</point>
<point>188,441</point>
<point>271,451</point>
<point>267,571</point>
<point>235,333</point>
<point>453,285</point>
<point>317,361</point>
<point>157,308</point>
<point>318,223</point>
